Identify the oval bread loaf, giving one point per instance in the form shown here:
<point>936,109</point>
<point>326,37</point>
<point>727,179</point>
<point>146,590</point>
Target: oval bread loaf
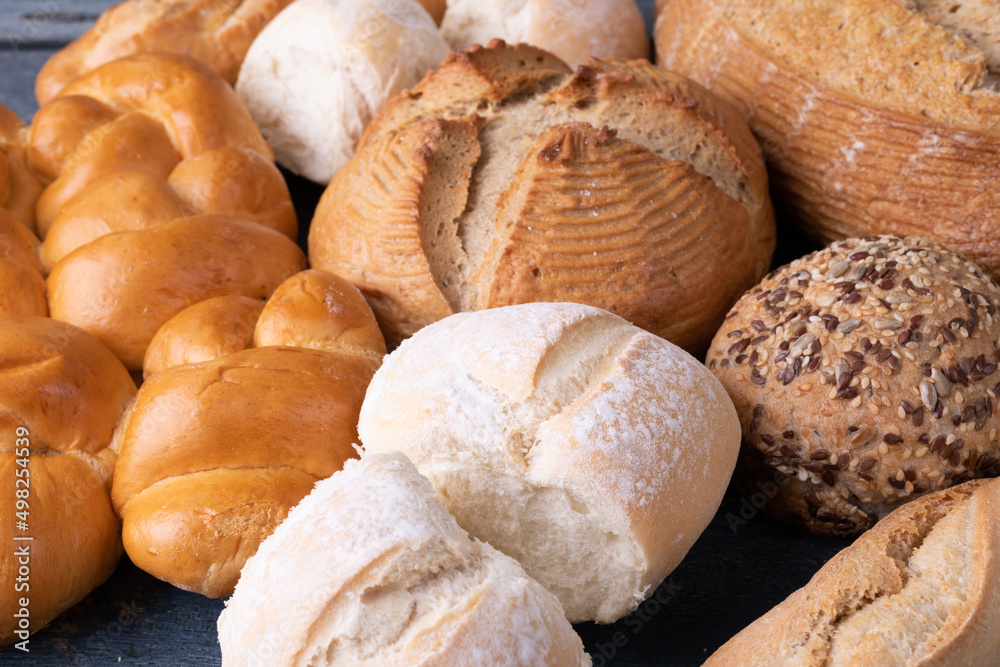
<point>591,451</point>
<point>920,588</point>
<point>61,394</point>
<point>401,584</point>
<point>504,178</point>
<point>877,117</point>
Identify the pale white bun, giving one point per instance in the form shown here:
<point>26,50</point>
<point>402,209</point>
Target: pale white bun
<point>591,451</point>
<point>574,30</point>
<point>370,569</point>
<point>322,69</point>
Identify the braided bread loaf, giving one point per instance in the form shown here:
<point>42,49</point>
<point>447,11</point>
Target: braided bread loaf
<point>214,454</point>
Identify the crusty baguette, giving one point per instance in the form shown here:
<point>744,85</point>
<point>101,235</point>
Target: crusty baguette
<point>921,588</point>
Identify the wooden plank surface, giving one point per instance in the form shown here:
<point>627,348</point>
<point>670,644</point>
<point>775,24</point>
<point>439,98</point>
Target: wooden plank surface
<point>743,564</point>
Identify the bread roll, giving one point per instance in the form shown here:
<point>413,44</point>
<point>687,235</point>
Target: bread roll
<point>401,584</point>
<point>592,452</point>
<point>147,113</point>
<point>573,30</point>
<point>877,117</point>
<point>215,33</point>
<point>66,392</point>
<point>213,455</point>
<point>123,287</point>
<point>22,288</point>
<point>920,588</point>
<point>19,187</point>
<point>320,72</point>
<point>503,178</point>
<point>312,309</point>
<point>864,375</point>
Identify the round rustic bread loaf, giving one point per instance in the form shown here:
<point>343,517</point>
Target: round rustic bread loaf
<point>400,584</point>
<point>589,450</point>
<point>213,32</point>
<point>573,30</point>
<point>920,588</point>
<point>22,287</point>
<point>61,394</point>
<point>124,286</point>
<point>213,455</point>
<point>320,72</point>
<point>19,186</point>
<point>504,178</point>
<point>864,375</point>
<point>312,309</point>
<point>877,117</point>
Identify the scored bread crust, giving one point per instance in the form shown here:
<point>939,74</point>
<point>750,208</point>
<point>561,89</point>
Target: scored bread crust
<point>919,589</point>
<point>877,117</point>
<point>212,456</point>
<point>504,178</point>
<point>401,584</point>
<point>68,391</point>
<point>213,32</point>
<point>591,451</point>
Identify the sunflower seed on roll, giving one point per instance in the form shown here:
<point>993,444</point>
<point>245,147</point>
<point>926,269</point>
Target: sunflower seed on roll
<point>864,375</point>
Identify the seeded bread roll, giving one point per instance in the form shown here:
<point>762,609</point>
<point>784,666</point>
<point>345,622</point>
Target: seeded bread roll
<point>864,375</point>
<point>921,588</point>
<point>213,455</point>
<point>505,178</point>
<point>66,392</point>
<point>19,186</point>
<point>591,451</point>
<point>573,30</point>
<point>312,309</point>
<point>400,585</point>
<point>878,117</point>
<point>213,32</point>
<point>22,287</point>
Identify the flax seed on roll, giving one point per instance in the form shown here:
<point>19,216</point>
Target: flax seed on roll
<point>864,375</point>
<point>591,451</point>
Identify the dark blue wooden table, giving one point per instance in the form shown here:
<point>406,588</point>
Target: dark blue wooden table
<point>743,565</point>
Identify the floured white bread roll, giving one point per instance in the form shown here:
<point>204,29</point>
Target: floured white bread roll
<point>370,569</point>
<point>321,70</point>
<point>591,451</point>
<point>574,30</point>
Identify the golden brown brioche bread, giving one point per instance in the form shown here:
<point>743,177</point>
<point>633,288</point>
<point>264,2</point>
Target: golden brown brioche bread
<point>573,30</point>
<point>504,178</point>
<point>19,186</point>
<point>124,286</point>
<point>22,287</point>
<point>400,584</point>
<point>591,451</point>
<point>147,113</point>
<point>919,589</point>
<point>213,32</point>
<point>313,309</point>
<point>864,375</point>
<point>61,394</point>
<point>212,456</point>
<point>877,117</point>
<point>236,182</point>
